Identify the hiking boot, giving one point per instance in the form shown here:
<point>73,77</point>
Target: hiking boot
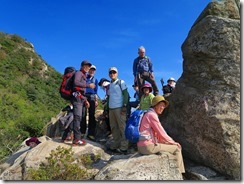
<point>79,143</point>
<point>62,141</point>
<point>91,137</point>
<point>102,140</point>
<point>108,133</point>
<point>124,152</point>
<point>118,151</point>
<point>69,138</point>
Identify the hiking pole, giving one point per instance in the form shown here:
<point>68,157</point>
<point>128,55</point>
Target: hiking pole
<point>162,82</point>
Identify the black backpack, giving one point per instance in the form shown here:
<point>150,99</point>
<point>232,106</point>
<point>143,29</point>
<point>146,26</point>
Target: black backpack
<point>66,86</point>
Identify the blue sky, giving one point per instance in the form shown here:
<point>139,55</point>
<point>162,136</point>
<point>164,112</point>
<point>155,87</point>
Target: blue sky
<point>105,32</point>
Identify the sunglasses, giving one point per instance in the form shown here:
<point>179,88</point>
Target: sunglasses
<point>112,72</point>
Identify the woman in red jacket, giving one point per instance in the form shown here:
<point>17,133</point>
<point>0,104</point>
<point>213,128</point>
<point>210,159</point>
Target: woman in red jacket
<point>157,140</point>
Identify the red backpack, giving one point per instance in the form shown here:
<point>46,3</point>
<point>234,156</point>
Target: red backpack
<point>66,87</point>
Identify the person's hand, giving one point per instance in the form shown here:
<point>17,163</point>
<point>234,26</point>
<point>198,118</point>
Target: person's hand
<point>151,75</point>
<point>92,85</point>
<point>135,80</point>
<point>179,146</point>
<point>123,110</point>
<point>96,103</point>
<point>87,104</point>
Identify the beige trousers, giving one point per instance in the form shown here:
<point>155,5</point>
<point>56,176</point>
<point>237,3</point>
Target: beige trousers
<point>117,123</point>
<point>159,147</point>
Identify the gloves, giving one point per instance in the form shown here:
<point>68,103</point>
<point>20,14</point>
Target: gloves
<point>87,104</point>
<point>123,110</point>
<point>75,94</point>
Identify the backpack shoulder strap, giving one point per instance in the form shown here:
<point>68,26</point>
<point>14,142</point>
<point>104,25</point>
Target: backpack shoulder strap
<point>93,80</point>
<point>120,84</point>
<point>139,61</point>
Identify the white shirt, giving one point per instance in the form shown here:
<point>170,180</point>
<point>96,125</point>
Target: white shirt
<point>115,94</point>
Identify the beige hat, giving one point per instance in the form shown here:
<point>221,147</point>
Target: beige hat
<point>158,99</point>
<point>113,69</point>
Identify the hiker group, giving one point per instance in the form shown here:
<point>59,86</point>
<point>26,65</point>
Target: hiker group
<point>80,88</point>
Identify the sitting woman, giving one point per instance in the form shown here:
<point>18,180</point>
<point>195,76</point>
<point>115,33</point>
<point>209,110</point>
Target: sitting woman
<point>157,140</point>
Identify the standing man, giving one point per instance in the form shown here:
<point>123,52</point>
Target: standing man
<point>91,95</point>
<point>79,99</point>
<point>143,71</point>
<point>167,89</point>
<point>117,102</point>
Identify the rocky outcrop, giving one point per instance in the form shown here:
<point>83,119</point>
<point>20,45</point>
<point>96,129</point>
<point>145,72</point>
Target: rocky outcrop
<point>204,112</point>
<point>151,167</point>
<point>109,167</point>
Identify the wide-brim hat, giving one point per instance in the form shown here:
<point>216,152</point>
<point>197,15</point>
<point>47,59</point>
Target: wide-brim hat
<point>102,80</point>
<point>32,139</point>
<point>147,86</point>
<point>158,99</point>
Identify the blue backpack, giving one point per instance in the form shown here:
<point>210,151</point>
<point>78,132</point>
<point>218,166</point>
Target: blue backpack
<point>132,132</point>
<point>143,65</point>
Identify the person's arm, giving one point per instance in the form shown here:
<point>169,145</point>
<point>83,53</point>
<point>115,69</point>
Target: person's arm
<point>135,67</point>
<point>124,93</point>
<point>125,97</point>
<point>162,136</point>
<point>96,88</point>
<point>106,106</point>
<point>151,96</point>
<point>150,66</point>
<point>80,81</point>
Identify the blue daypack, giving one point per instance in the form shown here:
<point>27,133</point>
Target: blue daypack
<point>132,132</point>
<point>143,65</point>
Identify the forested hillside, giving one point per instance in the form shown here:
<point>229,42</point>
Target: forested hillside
<point>28,92</point>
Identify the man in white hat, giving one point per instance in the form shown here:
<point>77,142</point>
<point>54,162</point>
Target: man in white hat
<point>117,103</point>
<point>167,89</point>
<point>92,98</point>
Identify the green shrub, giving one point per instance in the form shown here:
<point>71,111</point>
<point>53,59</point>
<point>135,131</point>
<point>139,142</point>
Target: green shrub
<point>9,145</point>
<point>29,97</point>
<point>61,165</point>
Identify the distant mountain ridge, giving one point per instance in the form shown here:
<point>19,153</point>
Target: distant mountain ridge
<point>29,94</point>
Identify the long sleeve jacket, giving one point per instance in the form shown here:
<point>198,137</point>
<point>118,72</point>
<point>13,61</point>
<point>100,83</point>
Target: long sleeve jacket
<point>80,81</point>
<point>137,61</point>
<point>152,128</point>
<point>91,79</point>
